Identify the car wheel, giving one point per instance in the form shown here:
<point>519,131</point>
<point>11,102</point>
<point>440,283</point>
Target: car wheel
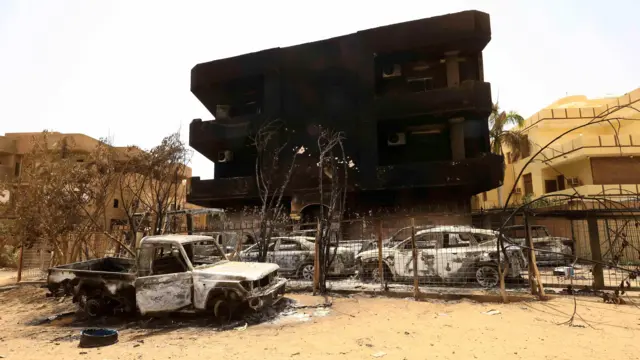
<point>307,272</point>
<point>487,276</point>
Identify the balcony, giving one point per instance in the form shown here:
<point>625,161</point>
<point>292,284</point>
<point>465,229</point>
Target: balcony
<point>7,146</point>
<point>618,191</point>
<point>201,191</point>
<point>599,145</point>
<point>470,96</point>
<point>210,137</point>
<point>477,174</point>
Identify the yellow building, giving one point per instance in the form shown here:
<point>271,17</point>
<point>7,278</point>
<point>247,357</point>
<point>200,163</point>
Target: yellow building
<point>601,158</point>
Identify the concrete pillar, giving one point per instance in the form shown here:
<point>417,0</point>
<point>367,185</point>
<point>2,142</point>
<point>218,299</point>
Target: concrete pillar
<point>453,68</point>
<point>457,138</point>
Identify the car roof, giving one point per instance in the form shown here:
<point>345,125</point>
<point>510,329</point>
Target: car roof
<point>457,228</point>
<point>179,238</point>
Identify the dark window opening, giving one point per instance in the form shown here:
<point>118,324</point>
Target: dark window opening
<point>413,140</point>
<point>484,196</point>
<point>528,184</point>
<point>561,182</point>
<point>241,97</point>
<point>17,169</point>
<point>409,72</point>
<point>550,186</point>
<point>525,151</point>
<point>115,203</point>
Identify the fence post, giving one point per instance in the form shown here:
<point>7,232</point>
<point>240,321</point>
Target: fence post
<point>596,253</point>
<point>316,261</point>
<point>414,251</point>
<point>380,263</point>
<point>20,264</point>
<point>533,265</point>
<point>189,224</point>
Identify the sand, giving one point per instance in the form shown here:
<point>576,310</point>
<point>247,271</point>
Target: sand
<point>356,327</point>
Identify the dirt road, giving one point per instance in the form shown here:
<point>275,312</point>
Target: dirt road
<point>357,327</point>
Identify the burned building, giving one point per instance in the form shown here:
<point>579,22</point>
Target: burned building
<point>410,99</point>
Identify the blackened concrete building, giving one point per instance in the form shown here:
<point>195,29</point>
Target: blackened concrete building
<point>410,98</point>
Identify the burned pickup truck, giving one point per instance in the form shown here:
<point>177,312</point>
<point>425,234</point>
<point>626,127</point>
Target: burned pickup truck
<point>170,273</point>
<point>446,254</point>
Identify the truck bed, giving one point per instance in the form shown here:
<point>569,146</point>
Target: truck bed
<point>115,271</point>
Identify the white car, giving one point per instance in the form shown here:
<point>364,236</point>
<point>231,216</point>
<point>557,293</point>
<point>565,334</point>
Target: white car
<point>295,256</point>
<point>445,254</point>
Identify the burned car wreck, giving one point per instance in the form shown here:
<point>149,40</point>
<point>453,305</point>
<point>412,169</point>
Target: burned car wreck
<point>170,273</point>
<point>445,254</point>
<point>295,257</point>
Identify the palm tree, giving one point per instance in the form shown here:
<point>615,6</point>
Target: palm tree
<point>511,138</point>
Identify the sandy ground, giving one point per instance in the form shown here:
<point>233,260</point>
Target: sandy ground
<point>356,327</point>
<point>7,276</point>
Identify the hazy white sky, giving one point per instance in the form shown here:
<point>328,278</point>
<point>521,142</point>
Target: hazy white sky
<point>122,67</point>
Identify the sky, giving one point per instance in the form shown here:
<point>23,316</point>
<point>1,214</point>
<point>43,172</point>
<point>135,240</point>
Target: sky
<point>121,69</point>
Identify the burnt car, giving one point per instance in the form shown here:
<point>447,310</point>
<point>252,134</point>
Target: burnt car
<point>445,254</point>
<point>295,257</point>
<point>556,250</point>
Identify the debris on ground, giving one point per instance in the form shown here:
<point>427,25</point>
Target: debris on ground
<point>492,312</point>
<point>379,354</point>
<point>51,318</point>
<point>241,328</point>
<point>321,312</point>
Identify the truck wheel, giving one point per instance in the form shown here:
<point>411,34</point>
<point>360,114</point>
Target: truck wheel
<point>306,272</point>
<point>93,307</point>
<point>222,310</point>
<point>487,276</point>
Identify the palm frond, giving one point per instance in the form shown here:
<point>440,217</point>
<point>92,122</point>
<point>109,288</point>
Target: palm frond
<point>514,141</point>
<point>513,118</point>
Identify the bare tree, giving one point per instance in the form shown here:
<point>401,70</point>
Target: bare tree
<point>332,163</point>
<point>165,169</point>
<point>273,170</point>
<point>52,196</point>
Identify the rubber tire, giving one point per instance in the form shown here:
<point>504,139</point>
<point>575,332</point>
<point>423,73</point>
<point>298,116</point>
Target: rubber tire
<point>301,271</point>
<point>91,338</point>
<point>494,269</point>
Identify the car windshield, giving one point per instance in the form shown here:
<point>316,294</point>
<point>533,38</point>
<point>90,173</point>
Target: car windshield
<point>202,253</point>
<point>519,232</point>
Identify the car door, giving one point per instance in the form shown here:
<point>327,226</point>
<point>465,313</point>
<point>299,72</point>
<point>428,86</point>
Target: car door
<point>168,283</point>
<point>453,253</point>
<point>290,253</point>
<point>425,249</point>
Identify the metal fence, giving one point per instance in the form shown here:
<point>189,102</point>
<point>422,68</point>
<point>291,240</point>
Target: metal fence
<point>597,250</point>
<point>441,251</point>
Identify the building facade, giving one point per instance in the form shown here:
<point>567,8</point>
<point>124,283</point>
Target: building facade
<point>410,99</point>
<point>600,158</point>
<point>15,146</point>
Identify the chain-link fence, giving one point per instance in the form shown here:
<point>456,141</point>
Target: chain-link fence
<point>598,251</point>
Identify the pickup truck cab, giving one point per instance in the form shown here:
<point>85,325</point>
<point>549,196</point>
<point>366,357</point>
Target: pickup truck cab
<point>170,273</point>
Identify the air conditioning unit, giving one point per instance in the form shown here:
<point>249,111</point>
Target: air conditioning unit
<point>391,71</point>
<point>573,181</point>
<point>225,156</point>
<point>397,139</point>
<point>518,191</point>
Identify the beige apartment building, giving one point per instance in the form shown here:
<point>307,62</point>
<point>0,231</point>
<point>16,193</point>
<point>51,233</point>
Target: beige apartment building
<point>14,146</point>
<point>602,158</point>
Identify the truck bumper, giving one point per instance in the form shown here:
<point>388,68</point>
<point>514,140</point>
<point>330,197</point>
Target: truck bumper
<point>269,296</point>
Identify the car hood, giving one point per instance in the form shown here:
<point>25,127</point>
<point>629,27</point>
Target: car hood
<point>238,270</point>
